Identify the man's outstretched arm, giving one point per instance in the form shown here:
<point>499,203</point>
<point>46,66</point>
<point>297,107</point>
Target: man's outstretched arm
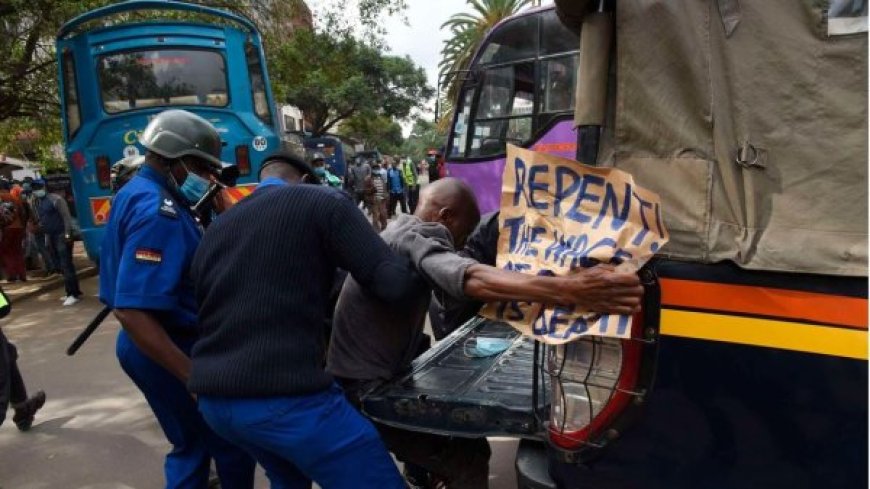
<point>598,289</point>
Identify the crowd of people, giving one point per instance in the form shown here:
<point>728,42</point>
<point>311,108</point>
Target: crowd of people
<point>254,340</point>
<point>36,226</point>
<point>381,184</point>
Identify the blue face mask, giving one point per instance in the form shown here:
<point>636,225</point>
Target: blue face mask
<point>320,171</point>
<point>194,187</point>
<point>486,347</point>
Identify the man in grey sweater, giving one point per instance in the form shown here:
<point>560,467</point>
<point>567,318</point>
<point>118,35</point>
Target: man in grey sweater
<point>445,216</point>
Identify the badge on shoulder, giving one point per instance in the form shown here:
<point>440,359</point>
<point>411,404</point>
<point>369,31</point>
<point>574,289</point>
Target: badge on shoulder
<point>168,208</point>
<point>149,255</point>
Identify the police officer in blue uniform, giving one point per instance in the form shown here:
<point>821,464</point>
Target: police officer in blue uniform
<point>150,240</point>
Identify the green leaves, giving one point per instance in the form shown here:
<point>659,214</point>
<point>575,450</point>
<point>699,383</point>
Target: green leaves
<point>29,100</point>
<point>467,32</point>
<point>374,132</point>
<point>33,138</point>
<point>424,136</point>
<point>333,78</point>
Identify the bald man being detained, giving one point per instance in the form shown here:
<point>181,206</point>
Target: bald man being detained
<point>374,341</point>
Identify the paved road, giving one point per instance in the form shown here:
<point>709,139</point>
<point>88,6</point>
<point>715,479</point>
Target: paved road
<point>96,431</point>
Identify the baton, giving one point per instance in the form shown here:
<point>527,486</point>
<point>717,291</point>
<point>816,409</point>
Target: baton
<point>89,330</point>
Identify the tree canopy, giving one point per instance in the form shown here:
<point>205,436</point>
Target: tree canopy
<point>424,136</point>
<point>374,132</point>
<point>333,78</point>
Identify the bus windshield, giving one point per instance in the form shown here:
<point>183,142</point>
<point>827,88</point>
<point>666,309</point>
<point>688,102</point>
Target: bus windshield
<point>153,78</point>
<point>523,85</point>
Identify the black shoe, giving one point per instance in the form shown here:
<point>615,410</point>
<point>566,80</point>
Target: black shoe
<point>26,411</point>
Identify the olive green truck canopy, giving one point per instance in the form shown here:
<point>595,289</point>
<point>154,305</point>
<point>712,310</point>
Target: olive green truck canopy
<point>748,118</point>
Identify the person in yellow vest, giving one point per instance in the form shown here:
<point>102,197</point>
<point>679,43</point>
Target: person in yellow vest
<point>412,186</point>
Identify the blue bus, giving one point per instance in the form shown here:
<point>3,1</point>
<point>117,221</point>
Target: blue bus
<point>116,73</point>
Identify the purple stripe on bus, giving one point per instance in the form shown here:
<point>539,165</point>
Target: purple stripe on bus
<point>485,176</point>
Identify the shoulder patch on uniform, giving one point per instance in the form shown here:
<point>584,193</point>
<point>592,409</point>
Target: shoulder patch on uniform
<point>168,208</point>
<point>149,255</point>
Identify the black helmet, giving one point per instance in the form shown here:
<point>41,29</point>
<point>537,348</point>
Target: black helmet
<point>176,133</point>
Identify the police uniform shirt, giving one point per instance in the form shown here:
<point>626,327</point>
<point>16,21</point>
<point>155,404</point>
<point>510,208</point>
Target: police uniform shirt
<point>146,252</point>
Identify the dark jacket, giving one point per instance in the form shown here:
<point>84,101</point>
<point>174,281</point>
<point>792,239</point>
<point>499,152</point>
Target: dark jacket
<point>5,361</point>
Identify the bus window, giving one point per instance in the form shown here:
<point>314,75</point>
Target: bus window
<point>463,120</point>
<point>504,111</point>
<point>290,124</point>
<point>527,75</point>
<point>258,86</point>
<point>555,37</point>
<point>515,40</point>
<point>557,84</point>
<point>71,95</point>
<point>507,91</point>
<point>139,79</point>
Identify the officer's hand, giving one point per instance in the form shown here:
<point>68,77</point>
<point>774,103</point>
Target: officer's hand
<point>602,289</point>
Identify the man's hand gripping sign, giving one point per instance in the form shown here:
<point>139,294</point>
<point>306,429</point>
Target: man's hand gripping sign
<point>559,216</point>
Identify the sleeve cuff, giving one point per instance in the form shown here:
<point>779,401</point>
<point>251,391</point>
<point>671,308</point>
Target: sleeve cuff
<point>446,272</point>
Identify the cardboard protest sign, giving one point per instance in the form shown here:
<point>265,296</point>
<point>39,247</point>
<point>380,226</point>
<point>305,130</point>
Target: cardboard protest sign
<point>557,216</point>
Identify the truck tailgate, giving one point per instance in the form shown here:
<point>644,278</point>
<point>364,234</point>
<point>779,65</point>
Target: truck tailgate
<point>451,392</point>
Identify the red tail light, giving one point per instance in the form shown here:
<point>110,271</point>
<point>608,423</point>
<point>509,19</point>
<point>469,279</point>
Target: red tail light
<point>594,380</point>
<point>243,160</point>
<point>104,172</point>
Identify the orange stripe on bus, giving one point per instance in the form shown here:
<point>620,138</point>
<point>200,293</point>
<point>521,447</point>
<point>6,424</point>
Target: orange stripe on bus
<point>766,301</point>
<point>236,194</point>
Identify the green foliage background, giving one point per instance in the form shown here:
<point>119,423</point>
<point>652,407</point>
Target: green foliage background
<point>333,78</point>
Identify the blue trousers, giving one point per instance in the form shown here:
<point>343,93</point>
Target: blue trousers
<point>297,439</point>
<point>194,444</point>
